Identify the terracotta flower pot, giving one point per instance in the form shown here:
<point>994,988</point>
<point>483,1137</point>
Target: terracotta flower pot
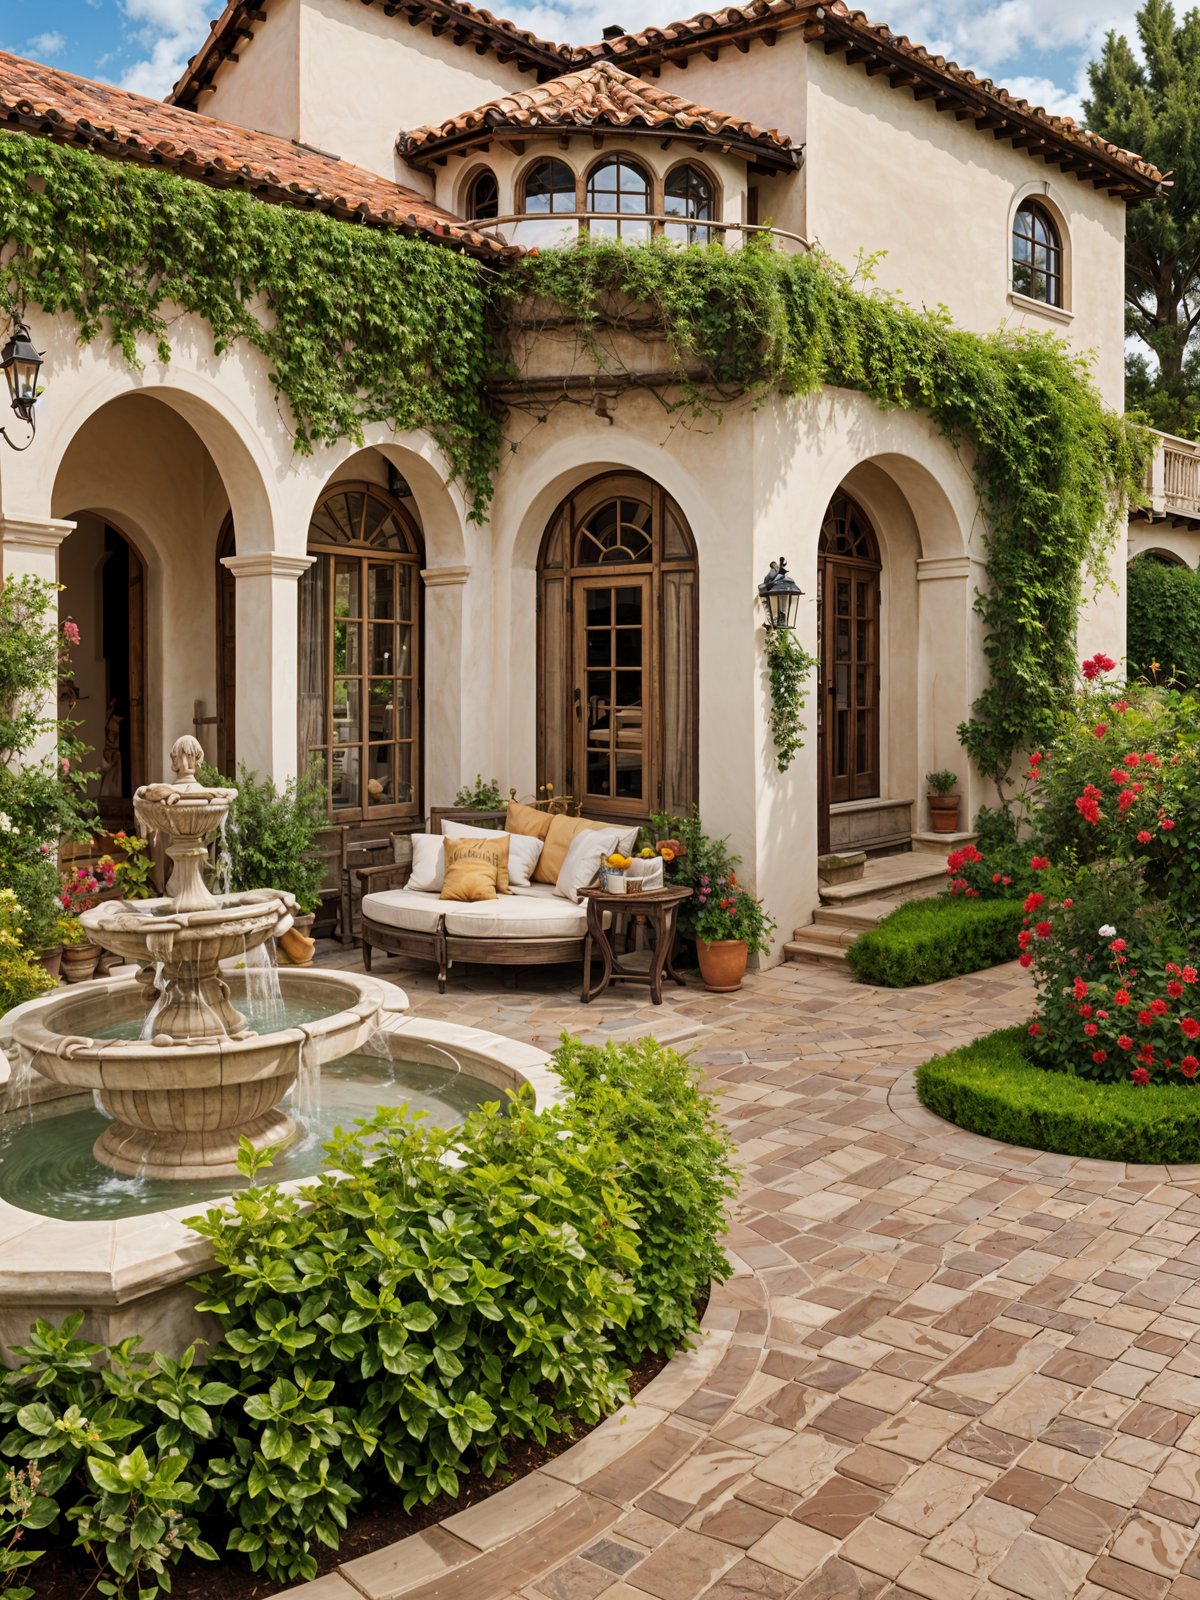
<point>943,812</point>
<point>79,962</point>
<point>297,943</point>
<point>52,960</point>
<point>722,964</point>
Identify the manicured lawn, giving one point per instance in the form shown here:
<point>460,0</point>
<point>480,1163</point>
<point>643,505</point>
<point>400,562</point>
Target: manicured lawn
<point>992,1087</point>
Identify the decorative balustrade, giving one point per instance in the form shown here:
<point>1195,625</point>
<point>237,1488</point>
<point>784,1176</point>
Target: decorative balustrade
<point>547,230</point>
<point>1173,477</point>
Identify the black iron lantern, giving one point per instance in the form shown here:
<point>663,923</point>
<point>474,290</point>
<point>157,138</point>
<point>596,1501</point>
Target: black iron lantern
<point>21,362</point>
<point>780,596</point>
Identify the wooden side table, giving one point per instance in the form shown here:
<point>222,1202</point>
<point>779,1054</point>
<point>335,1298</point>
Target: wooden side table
<point>660,910</point>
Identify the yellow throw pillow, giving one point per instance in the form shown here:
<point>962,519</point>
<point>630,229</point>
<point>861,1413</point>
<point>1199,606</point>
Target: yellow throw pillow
<point>476,869</point>
<point>527,820</point>
<point>558,841</point>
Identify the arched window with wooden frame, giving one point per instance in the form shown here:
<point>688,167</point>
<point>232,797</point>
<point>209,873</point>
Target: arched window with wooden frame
<point>1037,254</point>
<point>483,197</point>
<point>848,581</point>
<point>548,188</point>
<point>360,653</point>
<point>618,188</point>
<point>618,639</point>
<point>688,192</point>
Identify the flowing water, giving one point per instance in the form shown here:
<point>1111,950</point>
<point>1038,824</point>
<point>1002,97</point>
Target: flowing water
<point>47,1166</point>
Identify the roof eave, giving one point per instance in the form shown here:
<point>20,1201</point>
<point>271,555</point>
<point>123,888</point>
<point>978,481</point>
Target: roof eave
<point>434,152</point>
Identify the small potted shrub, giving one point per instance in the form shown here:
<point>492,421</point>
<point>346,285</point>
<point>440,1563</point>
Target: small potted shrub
<point>81,890</point>
<point>730,925</point>
<point>943,802</point>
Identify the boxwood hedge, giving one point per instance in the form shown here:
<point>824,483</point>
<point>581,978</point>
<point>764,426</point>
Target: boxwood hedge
<point>927,940</point>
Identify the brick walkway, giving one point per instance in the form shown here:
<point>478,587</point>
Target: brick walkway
<point>954,1370</point>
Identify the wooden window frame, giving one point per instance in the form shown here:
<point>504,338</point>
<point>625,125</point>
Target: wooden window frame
<point>468,202</point>
<point>360,551</point>
<point>1034,208</point>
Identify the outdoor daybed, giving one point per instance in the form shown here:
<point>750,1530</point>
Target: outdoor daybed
<point>536,920</point>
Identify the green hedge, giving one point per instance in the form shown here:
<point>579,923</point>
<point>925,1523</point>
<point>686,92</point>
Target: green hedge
<point>992,1087</point>
<point>927,940</point>
<point>1162,608</point>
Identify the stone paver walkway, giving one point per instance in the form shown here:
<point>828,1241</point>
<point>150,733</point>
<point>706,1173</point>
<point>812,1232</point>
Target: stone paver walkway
<point>953,1370</point>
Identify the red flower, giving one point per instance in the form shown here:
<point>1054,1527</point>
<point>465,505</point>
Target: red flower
<point>1151,760</point>
<point>1100,729</point>
<point>1088,804</point>
<point>1132,760</point>
<point>1118,776</point>
<point>1121,997</point>
<point>1126,799</point>
<point>1188,1066</point>
<point>1159,1007</point>
<point>1091,1029</point>
<point>1099,1057</point>
<point>1120,707</point>
<point>1146,1053</point>
<point>1095,665</point>
<point>1036,758</point>
<point>1081,989</point>
<point>1006,882</point>
<point>1139,1075</point>
<point>1034,1030</point>
<point>1144,837</point>
<point>1024,939</point>
<point>1043,930</point>
<point>1025,959</point>
<point>1166,824</point>
<point>1190,1027</point>
<point>1145,1018</point>
<point>1039,863</point>
<point>1188,974</point>
<point>1125,1042</point>
<point>1085,1011</point>
<point>1034,900</point>
<point>1117,946</point>
<point>1174,988</point>
<point>1103,1015</point>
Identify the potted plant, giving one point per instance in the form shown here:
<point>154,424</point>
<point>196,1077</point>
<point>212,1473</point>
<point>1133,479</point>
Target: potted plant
<point>269,836</point>
<point>615,878</point>
<point>943,802</point>
<point>730,926</point>
<point>81,890</point>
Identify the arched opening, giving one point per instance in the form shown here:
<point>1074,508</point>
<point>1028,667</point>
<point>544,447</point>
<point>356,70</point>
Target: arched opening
<point>483,196</point>
<point>1037,254</point>
<point>848,580</point>
<point>618,635</point>
<point>360,653</point>
<point>688,193</point>
<point>104,593</point>
<point>618,187</point>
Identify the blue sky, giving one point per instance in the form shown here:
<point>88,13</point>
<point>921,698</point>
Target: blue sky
<point>1037,47</point>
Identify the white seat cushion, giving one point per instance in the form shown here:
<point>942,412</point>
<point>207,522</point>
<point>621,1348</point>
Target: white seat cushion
<point>516,917</point>
<point>414,910</point>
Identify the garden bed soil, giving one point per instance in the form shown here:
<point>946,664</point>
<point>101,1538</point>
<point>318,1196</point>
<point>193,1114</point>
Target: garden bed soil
<point>379,1521</point>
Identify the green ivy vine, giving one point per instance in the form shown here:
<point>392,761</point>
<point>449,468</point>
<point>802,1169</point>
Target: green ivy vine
<point>363,325</point>
<point>788,667</point>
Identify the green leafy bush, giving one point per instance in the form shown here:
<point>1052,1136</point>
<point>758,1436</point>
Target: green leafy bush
<point>993,1088</point>
<point>22,975</point>
<point>1162,610</point>
<point>482,795</point>
<point>927,940</point>
<point>271,832</point>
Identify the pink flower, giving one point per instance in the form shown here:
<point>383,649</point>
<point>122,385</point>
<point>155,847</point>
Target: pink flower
<point>1166,824</point>
<point>70,632</point>
<point>64,766</point>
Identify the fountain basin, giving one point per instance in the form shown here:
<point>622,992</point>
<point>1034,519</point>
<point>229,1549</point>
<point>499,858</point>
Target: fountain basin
<point>131,1275</point>
<point>178,1111</point>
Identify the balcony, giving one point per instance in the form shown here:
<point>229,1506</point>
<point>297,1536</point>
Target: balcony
<point>1173,479</point>
<point>559,229</point>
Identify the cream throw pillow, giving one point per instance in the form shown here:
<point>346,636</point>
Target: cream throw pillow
<point>523,849</point>
<point>428,863</point>
<point>581,864</point>
<point>474,868</point>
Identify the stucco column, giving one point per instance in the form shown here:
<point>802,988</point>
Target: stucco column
<point>29,547</point>
<point>457,698</point>
<point>951,674</point>
<point>267,660</point>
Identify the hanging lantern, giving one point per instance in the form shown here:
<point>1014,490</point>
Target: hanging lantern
<point>22,363</point>
<point>780,596</point>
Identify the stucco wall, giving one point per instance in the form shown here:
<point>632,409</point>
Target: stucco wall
<point>262,88</point>
<point>1169,537</point>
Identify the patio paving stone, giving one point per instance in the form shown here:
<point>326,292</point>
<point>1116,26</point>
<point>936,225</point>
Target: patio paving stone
<point>949,1369</point>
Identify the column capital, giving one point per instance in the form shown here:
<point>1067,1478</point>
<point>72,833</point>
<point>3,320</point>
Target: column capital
<point>444,577</point>
<point>33,533</point>
<point>934,567</point>
<point>268,564</point>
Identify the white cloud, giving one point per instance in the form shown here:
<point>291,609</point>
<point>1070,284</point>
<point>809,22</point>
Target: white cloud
<point>168,31</point>
<point>43,46</point>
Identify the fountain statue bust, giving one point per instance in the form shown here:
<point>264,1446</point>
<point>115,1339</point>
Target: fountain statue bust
<point>186,755</point>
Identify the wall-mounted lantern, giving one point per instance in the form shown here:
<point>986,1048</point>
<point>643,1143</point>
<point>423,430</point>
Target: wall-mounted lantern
<point>780,596</point>
<point>21,363</point>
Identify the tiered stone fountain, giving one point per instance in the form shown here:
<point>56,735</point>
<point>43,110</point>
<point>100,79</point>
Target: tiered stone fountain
<point>199,1079</point>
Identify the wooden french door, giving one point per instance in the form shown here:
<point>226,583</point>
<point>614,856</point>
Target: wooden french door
<point>848,622</point>
<point>613,653</point>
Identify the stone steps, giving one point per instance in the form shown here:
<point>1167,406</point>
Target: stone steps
<point>848,909</point>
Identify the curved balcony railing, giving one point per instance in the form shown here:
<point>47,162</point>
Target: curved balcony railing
<point>545,231</point>
<point>1173,477</point>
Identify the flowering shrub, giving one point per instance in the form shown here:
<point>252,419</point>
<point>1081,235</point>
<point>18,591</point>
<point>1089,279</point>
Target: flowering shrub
<point>973,876</point>
<point>22,976</point>
<point>725,910</point>
<point>689,854</point>
<point>132,873</point>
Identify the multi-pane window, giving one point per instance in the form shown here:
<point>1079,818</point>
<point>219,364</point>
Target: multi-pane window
<point>1037,255</point>
<point>549,188</point>
<point>360,653</point>
<point>618,189</point>
<point>688,192</point>
<point>483,197</point>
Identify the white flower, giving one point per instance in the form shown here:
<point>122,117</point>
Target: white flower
<point>5,822</point>
<point>1108,931</point>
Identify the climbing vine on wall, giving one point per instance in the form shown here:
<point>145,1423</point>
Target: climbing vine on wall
<point>361,325</point>
<point>788,667</point>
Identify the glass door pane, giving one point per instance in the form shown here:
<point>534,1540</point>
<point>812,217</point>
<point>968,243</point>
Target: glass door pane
<point>611,648</point>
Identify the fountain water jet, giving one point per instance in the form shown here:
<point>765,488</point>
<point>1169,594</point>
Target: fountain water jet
<point>181,1099</point>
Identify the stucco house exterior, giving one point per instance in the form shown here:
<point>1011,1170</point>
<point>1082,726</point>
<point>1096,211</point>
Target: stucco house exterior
<point>600,630</point>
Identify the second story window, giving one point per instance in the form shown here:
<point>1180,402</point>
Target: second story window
<point>549,189</point>
<point>1037,255</point>
<point>618,189</point>
<point>483,197</point>
<point>688,192</point>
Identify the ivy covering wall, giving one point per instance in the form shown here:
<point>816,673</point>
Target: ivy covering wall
<point>362,325</point>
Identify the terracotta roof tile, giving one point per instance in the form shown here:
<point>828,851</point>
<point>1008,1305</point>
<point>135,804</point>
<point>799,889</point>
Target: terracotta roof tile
<point>466,24</point>
<point>839,27</point>
<point>42,100</point>
<point>600,95</point>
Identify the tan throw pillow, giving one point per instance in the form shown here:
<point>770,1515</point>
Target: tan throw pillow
<point>523,849</point>
<point>474,868</point>
<point>527,819</point>
<point>558,841</point>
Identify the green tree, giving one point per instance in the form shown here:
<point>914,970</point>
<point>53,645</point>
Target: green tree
<point>1153,106</point>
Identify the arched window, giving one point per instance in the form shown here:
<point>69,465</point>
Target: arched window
<point>483,197</point>
<point>618,707</point>
<point>1037,255</point>
<point>688,192</point>
<point>617,187</point>
<point>360,653</point>
<point>549,188</point>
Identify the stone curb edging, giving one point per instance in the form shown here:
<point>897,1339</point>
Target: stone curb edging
<point>903,1102</point>
<point>520,1532</point>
